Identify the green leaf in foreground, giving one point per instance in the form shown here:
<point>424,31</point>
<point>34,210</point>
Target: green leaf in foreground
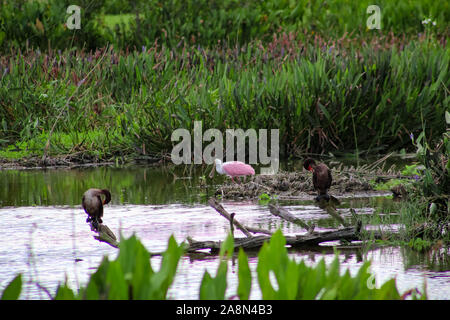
<point>12,291</point>
<point>130,276</point>
<point>64,292</point>
<point>214,288</point>
<point>244,275</point>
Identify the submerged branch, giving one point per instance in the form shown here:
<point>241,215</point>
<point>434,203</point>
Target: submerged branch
<point>216,205</point>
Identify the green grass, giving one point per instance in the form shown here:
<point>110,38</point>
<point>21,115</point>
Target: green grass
<point>91,144</point>
<point>205,23</point>
<point>111,20</point>
<point>411,170</point>
<point>385,186</point>
<point>312,95</point>
<point>307,68</point>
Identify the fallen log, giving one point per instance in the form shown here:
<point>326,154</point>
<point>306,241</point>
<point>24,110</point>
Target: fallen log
<point>246,230</point>
<point>349,234</point>
<point>286,215</point>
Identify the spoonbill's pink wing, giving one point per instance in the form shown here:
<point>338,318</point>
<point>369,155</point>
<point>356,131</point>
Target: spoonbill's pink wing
<point>237,168</point>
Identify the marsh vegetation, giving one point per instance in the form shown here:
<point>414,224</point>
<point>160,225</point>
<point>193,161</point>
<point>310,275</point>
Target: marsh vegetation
<point>114,91</point>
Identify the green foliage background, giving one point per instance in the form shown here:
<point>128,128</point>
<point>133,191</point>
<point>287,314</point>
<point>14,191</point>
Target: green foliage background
<point>138,70</point>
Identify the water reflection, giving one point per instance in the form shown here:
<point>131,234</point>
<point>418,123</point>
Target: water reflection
<point>436,259</point>
<point>136,184</point>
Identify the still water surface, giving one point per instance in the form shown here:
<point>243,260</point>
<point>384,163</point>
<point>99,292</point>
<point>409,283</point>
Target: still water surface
<point>45,235</point>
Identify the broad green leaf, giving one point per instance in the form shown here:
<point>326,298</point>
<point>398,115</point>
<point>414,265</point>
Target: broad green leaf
<point>214,288</point>
<point>63,292</point>
<point>227,247</point>
<point>262,270</point>
<point>207,287</point>
<point>115,280</point>
<point>244,276</point>
<point>13,289</point>
<point>91,292</point>
<point>99,278</point>
<point>161,280</point>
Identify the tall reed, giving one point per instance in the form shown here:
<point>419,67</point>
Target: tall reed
<point>328,96</point>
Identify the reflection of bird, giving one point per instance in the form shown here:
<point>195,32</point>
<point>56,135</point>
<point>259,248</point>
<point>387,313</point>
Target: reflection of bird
<point>93,205</point>
<point>233,169</point>
<point>321,177</point>
<point>399,192</point>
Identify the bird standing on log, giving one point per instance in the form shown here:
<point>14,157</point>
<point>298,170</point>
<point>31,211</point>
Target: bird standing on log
<point>321,178</point>
<point>233,169</point>
<point>92,204</point>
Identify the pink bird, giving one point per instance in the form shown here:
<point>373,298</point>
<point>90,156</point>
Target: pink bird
<point>234,169</point>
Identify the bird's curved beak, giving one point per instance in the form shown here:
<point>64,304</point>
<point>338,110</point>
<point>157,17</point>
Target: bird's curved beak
<point>310,169</point>
<point>104,201</point>
<point>211,174</point>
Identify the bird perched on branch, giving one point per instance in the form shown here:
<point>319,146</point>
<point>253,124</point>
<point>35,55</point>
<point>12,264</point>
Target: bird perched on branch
<point>321,178</point>
<point>232,169</point>
<point>92,204</point>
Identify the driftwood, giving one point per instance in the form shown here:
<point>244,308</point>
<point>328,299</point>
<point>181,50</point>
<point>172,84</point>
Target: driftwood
<point>348,233</point>
<point>216,205</point>
<point>105,235</point>
<point>311,238</point>
<point>246,230</point>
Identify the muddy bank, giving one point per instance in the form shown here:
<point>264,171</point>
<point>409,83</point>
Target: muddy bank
<point>71,162</point>
<point>298,185</point>
<point>38,163</point>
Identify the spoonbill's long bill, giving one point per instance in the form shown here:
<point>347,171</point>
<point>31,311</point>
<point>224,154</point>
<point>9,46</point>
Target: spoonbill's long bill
<point>92,204</point>
<point>321,177</point>
<point>233,169</point>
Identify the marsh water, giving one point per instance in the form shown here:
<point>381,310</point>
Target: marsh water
<point>44,233</point>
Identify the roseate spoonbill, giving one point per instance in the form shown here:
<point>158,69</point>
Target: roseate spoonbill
<point>321,177</point>
<point>233,169</point>
<point>93,205</point>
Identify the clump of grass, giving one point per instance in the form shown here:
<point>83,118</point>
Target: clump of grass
<point>388,184</point>
<point>419,244</point>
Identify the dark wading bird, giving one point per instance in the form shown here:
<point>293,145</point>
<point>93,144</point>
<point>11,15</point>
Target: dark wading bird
<point>93,205</point>
<point>321,178</point>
